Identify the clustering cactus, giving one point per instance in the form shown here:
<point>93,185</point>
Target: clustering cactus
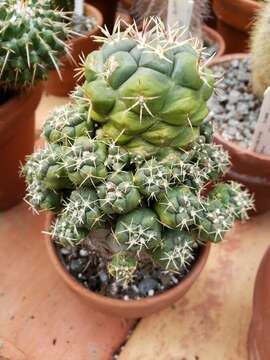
<point>32,40</point>
<point>132,153</point>
<point>260,51</point>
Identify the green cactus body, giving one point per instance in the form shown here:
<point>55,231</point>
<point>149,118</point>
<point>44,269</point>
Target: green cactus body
<point>122,267</point>
<point>117,158</point>
<point>147,88</point>
<point>178,208</point>
<point>236,199</point>
<point>66,124</point>
<point>176,250</point>
<point>212,159</point>
<point>118,194</point>
<point>85,160</point>
<point>215,221</point>
<point>50,168</point>
<point>40,198</point>
<point>152,178</point>
<point>32,41</point>
<point>83,210</point>
<point>140,229</point>
<point>67,234</point>
<point>65,5</point>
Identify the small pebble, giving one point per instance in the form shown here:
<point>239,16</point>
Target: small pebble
<point>83,252</point>
<point>235,113</point>
<point>151,292</point>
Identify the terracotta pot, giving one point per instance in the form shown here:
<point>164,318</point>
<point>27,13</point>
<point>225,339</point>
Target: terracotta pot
<point>108,10</point>
<point>214,36</point>
<point>132,308</point>
<point>234,20</point>
<point>79,45</point>
<point>258,337</point>
<point>249,168</point>
<point>17,135</point>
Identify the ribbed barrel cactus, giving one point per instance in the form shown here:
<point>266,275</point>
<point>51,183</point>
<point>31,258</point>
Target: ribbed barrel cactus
<point>32,40</point>
<point>133,154</point>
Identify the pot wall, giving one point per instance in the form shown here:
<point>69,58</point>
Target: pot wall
<point>258,339</point>
<point>79,45</point>
<point>132,308</point>
<point>17,135</point>
<point>234,21</point>
<point>108,10</point>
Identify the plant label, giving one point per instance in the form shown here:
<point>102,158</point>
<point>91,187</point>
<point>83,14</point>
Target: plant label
<point>78,7</point>
<point>261,137</point>
<point>180,12</point>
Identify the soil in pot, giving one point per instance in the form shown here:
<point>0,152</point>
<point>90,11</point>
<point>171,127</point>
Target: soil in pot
<point>90,270</point>
<point>87,26</point>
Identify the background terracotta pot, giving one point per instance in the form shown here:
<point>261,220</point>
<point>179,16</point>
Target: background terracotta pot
<point>108,10</point>
<point>216,38</point>
<point>258,338</point>
<point>132,308</point>
<point>234,20</point>
<point>17,135</point>
<point>249,168</point>
<point>79,45</point>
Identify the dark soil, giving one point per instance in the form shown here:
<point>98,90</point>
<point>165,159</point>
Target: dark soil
<point>90,270</point>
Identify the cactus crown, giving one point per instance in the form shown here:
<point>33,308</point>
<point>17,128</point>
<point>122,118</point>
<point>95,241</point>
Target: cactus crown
<point>140,163</point>
<point>32,41</point>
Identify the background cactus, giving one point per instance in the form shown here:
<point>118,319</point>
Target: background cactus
<point>145,8</point>
<point>32,40</point>
<point>135,156</point>
<point>260,50</point>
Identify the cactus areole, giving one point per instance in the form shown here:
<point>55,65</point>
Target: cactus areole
<point>133,154</point>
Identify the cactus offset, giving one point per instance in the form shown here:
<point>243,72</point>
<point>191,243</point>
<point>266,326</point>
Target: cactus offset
<point>132,154</point>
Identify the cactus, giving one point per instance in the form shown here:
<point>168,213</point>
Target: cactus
<point>132,154</point>
<point>84,161</point>
<point>118,195</point>
<point>33,37</point>
<point>122,267</point>
<point>65,5</point>
<point>140,100</point>
<point>178,208</point>
<point>138,230</point>
<point>66,123</point>
<point>260,49</point>
<point>83,209</point>
<point>176,250</point>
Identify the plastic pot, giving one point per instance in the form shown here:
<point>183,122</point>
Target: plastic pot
<point>79,45</point>
<point>216,38</point>
<point>234,21</point>
<point>132,308</point>
<point>248,167</point>
<point>17,136</point>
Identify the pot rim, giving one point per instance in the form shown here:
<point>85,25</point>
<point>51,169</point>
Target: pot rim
<point>132,303</point>
<point>90,11</point>
<point>218,136</point>
<point>251,3</point>
<point>213,34</point>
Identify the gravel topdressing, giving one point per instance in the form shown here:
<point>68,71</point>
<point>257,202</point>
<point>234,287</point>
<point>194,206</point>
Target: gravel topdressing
<point>83,24</point>
<point>90,270</point>
<point>235,109</point>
